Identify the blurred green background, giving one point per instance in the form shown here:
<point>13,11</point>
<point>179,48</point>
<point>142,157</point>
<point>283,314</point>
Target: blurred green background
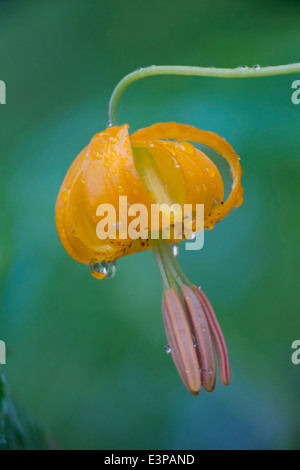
<point>84,356</point>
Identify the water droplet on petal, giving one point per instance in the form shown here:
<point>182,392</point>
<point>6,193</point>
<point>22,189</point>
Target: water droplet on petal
<point>65,194</point>
<point>186,147</point>
<point>211,172</point>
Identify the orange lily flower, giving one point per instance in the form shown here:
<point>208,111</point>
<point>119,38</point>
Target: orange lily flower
<point>155,165</point>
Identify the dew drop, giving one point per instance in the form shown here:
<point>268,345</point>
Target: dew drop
<point>175,250</point>
<point>180,147</point>
<point>103,269</point>
<point>111,269</point>
<point>256,67</point>
<point>109,123</point>
<point>211,172</point>
<point>243,67</point>
<point>65,194</point>
<point>167,349</point>
<point>186,147</point>
<point>189,148</point>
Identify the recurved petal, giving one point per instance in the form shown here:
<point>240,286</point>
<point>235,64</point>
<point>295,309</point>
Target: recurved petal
<point>184,132</point>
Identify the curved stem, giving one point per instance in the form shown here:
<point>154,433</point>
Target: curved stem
<point>240,72</point>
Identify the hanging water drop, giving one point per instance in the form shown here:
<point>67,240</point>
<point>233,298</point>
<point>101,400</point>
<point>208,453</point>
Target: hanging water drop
<point>102,269</point>
<point>65,194</point>
<point>111,269</point>
<point>175,249</point>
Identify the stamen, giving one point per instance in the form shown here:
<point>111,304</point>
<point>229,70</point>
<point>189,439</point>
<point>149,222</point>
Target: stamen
<point>188,319</point>
<point>217,335</point>
<point>181,341</point>
<point>202,334</point>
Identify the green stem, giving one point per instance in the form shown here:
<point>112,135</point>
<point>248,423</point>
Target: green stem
<point>240,72</point>
<point>166,277</point>
<point>171,272</point>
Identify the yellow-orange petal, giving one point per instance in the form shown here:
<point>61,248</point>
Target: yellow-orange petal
<point>183,132</point>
